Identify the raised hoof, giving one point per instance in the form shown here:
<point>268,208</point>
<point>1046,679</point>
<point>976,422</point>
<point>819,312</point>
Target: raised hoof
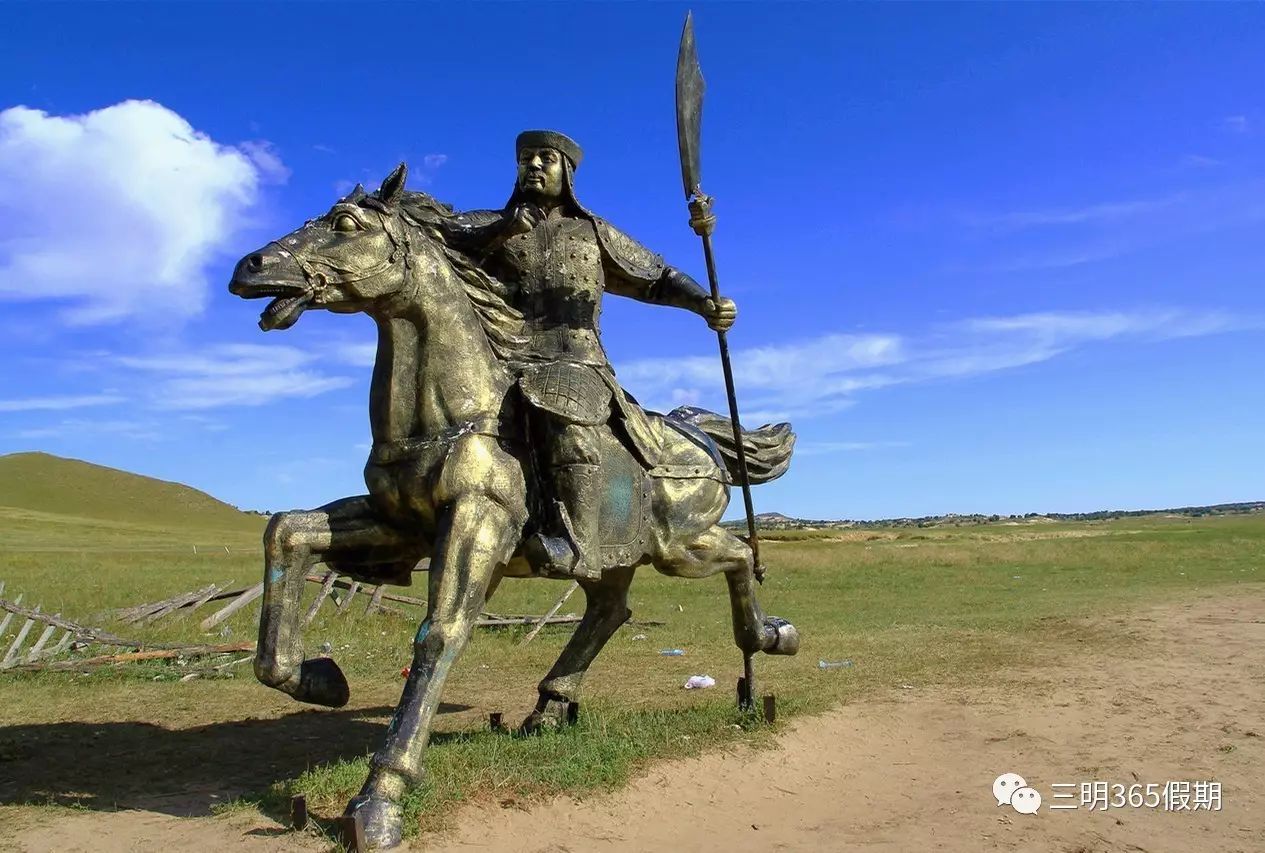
<point>553,715</point>
<point>785,637</point>
<point>321,682</point>
<point>383,821</point>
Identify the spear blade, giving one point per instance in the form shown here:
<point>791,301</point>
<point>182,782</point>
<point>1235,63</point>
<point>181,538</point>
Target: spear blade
<point>689,109</point>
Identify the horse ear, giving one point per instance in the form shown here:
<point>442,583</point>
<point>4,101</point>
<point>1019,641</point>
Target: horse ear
<point>394,184</point>
<point>355,195</point>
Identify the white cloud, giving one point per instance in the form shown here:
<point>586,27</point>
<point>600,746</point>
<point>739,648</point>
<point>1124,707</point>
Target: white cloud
<point>357,354</point>
<point>222,360</point>
<point>815,448</point>
<point>61,403</point>
<point>118,211</point>
<point>434,161</point>
<point>777,381</point>
<point>1061,237</point>
<point>686,396</point>
<point>1091,213</point>
<point>1236,124</point>
<point>1200,161</point>
<point>824,375</point>
<point>769,367</point>
<point>78,427</point>
<point>266,159</point>
<point>209,392</point>
<point>1071,326</point>
<point>232,375</point>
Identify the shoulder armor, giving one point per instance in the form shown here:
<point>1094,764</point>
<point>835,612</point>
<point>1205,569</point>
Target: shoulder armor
<point>630,256</point>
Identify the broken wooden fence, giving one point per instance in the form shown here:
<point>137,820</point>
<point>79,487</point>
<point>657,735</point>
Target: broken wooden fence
<point>76,637</point>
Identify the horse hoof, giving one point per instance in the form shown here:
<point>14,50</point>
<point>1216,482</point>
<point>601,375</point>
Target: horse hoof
<point>554,715</point>
<point>321,682</point>
<point>383,821</point>
<point>785,637</point>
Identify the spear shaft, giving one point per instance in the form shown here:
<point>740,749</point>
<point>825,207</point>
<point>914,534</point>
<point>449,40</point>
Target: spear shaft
<point>733,414</point>
<point>689,108</point>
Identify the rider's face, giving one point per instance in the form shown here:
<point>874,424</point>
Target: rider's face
<point>540,172</point>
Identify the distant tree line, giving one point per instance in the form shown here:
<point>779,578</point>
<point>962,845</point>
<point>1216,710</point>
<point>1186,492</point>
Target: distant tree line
<point>777,521</point>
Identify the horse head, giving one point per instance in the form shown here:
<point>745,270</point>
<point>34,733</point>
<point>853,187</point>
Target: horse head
<point>356,257</point>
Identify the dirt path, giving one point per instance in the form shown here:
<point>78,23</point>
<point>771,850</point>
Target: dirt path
<point>912,771</point>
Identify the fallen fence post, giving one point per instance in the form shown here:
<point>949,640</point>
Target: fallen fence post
<point>531,635</point>
<point>11,655</point>
<point>342,583</point>
<point>346,602</point>
<point>176,603</point>
<point>131,657</point>
<point>327,586</point>
<point>212,592</point>
<point>33,654</point>
<point>237,604</point>
<point>375,602</point>
<point>8,617</point>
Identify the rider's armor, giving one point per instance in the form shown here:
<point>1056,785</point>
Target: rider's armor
<point>560,268</point>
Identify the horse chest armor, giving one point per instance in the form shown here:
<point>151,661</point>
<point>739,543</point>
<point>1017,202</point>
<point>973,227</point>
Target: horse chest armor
<point>558,269</point>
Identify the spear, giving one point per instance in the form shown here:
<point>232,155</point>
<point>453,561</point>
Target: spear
<point>689,115</point>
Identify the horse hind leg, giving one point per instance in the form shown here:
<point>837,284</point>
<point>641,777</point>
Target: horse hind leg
<point>293,542</point>
<point>717,550</point>
<point>606,609</point>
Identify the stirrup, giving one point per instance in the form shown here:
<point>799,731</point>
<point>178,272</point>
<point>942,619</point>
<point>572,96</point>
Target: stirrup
<point>551,556</point>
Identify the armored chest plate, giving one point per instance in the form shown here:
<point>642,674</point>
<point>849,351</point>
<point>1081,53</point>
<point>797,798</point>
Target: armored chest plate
<point>557,267</point>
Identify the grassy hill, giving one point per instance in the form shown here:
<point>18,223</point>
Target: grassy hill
<point>40,485</point>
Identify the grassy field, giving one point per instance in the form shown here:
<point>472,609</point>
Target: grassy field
<point>913,607</point>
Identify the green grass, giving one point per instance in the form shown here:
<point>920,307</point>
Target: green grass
<point>908,606</point>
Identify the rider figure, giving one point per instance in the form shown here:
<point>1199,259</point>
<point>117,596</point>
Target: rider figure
<point>560,258</point>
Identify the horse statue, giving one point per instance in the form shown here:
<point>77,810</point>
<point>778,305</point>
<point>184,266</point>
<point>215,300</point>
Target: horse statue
<point>450,477</point>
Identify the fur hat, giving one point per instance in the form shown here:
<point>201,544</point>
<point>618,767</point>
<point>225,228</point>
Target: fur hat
<point>549,139</point>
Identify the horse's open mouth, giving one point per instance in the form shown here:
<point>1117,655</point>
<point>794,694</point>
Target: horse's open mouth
<point>284,311</point>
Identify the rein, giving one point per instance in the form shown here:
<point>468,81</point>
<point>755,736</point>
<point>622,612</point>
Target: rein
<point>390,452</point>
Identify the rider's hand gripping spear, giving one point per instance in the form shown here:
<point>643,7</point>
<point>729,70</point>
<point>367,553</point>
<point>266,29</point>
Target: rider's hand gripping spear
<point>689,114</point>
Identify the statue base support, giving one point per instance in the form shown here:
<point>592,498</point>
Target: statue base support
<point>351,833</point>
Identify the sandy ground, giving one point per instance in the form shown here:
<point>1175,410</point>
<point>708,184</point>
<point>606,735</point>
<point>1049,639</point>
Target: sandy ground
<point>908,772</point>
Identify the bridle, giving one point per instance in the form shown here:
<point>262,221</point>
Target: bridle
<point>401,250</point>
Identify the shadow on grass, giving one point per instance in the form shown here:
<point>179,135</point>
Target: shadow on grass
<point>181,772</point>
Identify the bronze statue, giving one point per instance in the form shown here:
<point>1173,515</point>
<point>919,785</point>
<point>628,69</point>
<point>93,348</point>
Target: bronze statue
<point>560,258</point>
<point>488,352</point>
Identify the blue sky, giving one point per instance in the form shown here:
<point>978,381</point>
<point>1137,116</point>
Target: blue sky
<point>988,258</point>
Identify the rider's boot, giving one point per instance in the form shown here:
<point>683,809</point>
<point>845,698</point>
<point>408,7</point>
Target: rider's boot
<point>579,490</point>
<point>576,553</point>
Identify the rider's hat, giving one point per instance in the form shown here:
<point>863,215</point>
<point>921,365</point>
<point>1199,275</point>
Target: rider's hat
<point>549,139</point>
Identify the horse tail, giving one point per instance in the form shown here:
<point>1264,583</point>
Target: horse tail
<point>768,449</point>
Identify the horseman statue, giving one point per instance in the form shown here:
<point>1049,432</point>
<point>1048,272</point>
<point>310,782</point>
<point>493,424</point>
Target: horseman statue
<point>490,379</point>
<point>560,258</point>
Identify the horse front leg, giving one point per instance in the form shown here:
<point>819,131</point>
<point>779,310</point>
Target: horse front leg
<point>717,550</point>
<point>477,536</point>
<point>293,542</point>
<point>606,609</point>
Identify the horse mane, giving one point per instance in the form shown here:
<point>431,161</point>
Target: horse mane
<point>489,297</point>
